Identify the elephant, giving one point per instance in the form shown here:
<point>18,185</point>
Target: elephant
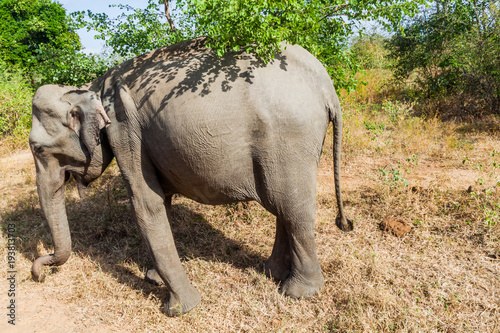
<point>217,130</point>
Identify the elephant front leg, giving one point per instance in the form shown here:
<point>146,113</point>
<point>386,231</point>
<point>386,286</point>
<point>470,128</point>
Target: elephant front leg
<point>152,218</point>
<point>279,264</point>
<point>153,277</point>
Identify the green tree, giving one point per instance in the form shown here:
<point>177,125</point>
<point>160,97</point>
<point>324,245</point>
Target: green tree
<point>257,26</point>
<point>28,25</point>
<point>68,67</point>
<point>136,30</point>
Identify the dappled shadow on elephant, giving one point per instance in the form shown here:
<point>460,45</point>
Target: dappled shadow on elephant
<point>201,71</point>
<point>103,228</point>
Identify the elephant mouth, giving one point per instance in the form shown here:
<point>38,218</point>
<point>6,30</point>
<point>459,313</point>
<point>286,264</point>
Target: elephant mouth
<point>67,176</point>
<point>82,185</point>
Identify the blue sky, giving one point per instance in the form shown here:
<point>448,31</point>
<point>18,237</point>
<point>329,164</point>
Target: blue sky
<point>90,44</point>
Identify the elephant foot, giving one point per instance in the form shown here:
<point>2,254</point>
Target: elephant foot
<point>297,287</point>
<point>344,224</point>
<point>177,305</point>
<point>276,269</point>
<point>153,277</point>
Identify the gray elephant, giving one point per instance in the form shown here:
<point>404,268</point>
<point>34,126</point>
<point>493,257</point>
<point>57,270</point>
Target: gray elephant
<point>216,130</point>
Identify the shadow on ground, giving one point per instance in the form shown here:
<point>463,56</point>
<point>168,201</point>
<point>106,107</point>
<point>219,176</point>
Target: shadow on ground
<point>103,229</point>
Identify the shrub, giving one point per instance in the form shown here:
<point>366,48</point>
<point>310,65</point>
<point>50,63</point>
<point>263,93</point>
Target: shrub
<point>370,52</point>
<point>478,56</point>
<point>15,103</point>
<point>450,53</point>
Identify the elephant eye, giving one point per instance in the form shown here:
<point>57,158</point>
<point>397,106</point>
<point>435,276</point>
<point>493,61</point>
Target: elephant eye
<point>38,148</point>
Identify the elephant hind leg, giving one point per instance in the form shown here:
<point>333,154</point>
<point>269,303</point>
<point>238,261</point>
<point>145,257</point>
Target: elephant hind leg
<point>305,278</point>
<point>294,260</point>
<point>288,190</point>
<point>279,264</point>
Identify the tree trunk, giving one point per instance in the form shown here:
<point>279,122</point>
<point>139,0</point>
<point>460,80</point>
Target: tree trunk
<point>167,15</point>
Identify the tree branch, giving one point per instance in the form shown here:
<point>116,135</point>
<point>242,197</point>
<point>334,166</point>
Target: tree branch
<point>167,15</point>
<point>334,9</point>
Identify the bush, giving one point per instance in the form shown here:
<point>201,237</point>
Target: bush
<point>450,54</point>
<point>478,55</point>
<point>370,52</point>
<point>15,103</point>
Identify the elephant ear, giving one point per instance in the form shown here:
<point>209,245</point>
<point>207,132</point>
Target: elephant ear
<point>86,116</point>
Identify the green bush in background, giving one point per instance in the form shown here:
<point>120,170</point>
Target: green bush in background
<point>370,52</point>
<point>451,52</point>
<point>15,103</point>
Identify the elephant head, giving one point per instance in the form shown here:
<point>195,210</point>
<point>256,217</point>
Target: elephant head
<point>67,138</point>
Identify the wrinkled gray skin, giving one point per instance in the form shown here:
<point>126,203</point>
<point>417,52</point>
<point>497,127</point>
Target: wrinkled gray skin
<point>218,131</point>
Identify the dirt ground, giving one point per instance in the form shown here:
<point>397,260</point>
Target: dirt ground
<point>433,279</point>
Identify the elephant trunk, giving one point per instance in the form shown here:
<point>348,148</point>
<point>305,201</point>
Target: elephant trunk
<point>50,185</point>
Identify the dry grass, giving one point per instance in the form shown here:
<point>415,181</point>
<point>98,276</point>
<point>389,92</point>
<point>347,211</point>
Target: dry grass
<point>372,88</point>
<point>441,277</point>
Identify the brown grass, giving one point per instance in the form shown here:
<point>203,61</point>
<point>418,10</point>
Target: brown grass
<point>441,277</point>
<point>372,87</point>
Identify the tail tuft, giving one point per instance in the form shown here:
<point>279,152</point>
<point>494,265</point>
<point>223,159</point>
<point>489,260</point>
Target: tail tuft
<point>344,224</point>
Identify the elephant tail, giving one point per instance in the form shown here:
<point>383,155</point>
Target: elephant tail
<point>341,221</point>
